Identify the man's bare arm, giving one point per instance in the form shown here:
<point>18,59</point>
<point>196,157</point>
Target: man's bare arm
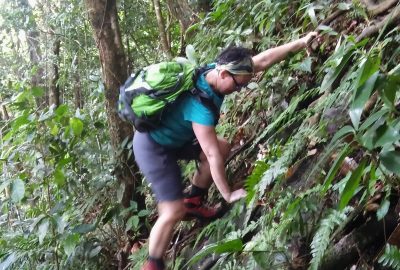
<point>267,58</point>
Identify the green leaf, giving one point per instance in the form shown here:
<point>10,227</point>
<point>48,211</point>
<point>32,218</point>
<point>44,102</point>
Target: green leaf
<point>42,229</point>
<point>335,167</point>
<point>361,97</point>
<point>191,54</point>
<point>385,135</point>
<point>20,121</point>
<point>17,190</point>
<point>305,65</point>
<point>59,177</point>
<point>351,185</point>
<point>391,161</point>
<point>373,118</point>
<point>235,245</point>
<point>76,126</point>
<point>311,14</point>
<point>70,243</point>
<point>61,110</point>
<point>342,132</point>
<point>5,264</point>
<point>133,222</point>
<point>344,6</point>
<point>37,91</point>
<point>84,228</point>
<point>94,252</point>
<point>383,209</point>
<point>389,85</point>
<point>332,76</point>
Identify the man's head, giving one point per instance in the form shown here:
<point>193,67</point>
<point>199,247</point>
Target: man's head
<point>235,69</point>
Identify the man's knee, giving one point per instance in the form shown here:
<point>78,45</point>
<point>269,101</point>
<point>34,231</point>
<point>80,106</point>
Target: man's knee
<point>172,211</point>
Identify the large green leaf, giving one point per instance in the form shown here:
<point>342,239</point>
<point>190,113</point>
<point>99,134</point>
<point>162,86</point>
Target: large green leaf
<point>76,126</point>
<point>342,132</point>
<point>59,177</point>
<point>17,190</point>
<point>132,223</point>
<point>361,97</point>
<point>391,161</point>
<point>385,134</point>
<point>351,185</point>
<point>333,75</point>
<point>84,228</point>
<point>70,243</point>
<point>43,229</point>
<point>383,209</point>
<point>335,167</point>
<point>234,245</point>
<point>373,118</point>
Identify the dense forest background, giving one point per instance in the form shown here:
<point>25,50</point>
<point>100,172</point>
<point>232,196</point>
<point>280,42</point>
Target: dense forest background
<point>316,138</point>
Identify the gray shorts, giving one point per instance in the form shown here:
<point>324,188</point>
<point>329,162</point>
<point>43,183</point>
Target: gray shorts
<point>160,165</point>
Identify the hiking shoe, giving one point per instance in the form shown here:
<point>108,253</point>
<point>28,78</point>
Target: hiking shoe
<point>151,265</point>
<point>195,208</point>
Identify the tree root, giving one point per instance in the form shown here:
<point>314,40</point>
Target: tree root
<point>390,19</point>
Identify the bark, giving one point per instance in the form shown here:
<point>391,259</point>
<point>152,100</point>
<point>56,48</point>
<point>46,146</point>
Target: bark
<point>104,20</point>
<point>54,97</point>
<point>162,30</point>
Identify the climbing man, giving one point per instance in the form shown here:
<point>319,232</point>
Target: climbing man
<point>187,132</point>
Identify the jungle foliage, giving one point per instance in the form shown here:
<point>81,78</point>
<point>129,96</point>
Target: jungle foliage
<point>316,139</point>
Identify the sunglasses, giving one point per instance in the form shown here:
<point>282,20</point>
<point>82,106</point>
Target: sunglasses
<point>238,86</point>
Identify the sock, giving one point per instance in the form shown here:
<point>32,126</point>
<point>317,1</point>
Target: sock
<point>197,191</point>
<point>159,262</point>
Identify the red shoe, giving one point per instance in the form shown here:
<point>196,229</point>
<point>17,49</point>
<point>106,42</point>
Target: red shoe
<point>151,265</point>
<point>196,209</point>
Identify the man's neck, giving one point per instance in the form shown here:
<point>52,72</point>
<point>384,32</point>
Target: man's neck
<point>211,78</point>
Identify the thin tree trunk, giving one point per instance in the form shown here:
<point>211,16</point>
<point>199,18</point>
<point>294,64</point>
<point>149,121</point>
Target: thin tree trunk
<point>161,28</point>
<point>54,86</point>
<point>78,98</point>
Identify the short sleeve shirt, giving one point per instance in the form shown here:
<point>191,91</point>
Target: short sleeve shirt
<point>176,123</point>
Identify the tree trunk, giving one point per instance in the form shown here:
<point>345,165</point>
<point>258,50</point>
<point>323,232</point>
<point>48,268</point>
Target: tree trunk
<point>181,10</point>
<point>161,28</point>
<point>104,20</point>
<point>78,98</point>
<point>54,86</point>
<point>35,56</point>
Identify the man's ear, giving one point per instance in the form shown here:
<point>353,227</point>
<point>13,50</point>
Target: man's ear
<point>224,73</point>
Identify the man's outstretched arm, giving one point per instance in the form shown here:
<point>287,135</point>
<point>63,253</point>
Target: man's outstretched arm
<point>267,58</point>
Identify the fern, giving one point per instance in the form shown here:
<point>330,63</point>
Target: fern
<point>321,238</point>
<point>391,257</point>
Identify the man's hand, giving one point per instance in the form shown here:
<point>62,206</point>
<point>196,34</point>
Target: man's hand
<point>308,38</point>
<point>237,195</point>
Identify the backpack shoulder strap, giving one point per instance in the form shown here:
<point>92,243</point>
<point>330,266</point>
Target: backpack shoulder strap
<point>201,96</point>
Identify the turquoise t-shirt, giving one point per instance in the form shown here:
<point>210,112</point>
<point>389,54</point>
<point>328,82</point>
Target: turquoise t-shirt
<point>176,124</point>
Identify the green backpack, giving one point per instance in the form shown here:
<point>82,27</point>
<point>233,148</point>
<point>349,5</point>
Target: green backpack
<point>144,97</point>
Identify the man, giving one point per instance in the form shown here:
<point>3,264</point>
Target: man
<point>158,151</point>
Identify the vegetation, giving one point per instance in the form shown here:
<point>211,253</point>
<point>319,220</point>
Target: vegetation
<point>316,138</point>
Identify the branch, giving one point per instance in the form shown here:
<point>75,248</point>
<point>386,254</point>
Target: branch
<point>391,18</point>
<point>376,9</point>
